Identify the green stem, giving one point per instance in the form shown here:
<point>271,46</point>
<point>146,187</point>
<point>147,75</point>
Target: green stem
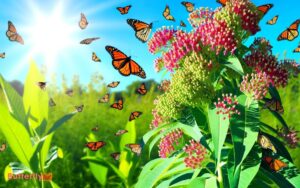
<point>220,177</point>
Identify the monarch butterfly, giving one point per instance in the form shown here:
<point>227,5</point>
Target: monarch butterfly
<point>265,143</point>
<point>120,132</point>
<point>135,148</point>
<point>167,14</point>
<point>70,92</point>
<point>124,64</point>
<point>113,84</point>
<point>51,102</point>
<point>274,105</point>
<point>182,24</point>
<point>142,29</point>
<point>290,33</point>
<point>124,10</point>
<point>42,85</point>
<point>297,50</point>
<point>2,55</point>
<point>83,21</point>
<point>273,20</point>
<point>12,34</point>
<point>142,89</point>
<point>134,115</point>
<point>104,99</point>
<point>116,155</point>
<point>89,40</point>
<point>275,164</point>
<point>3,147</point>
<point>118,105</point>
<point>222,2</point>
<point>188,5</point>
<point>95,57</point>
<point>94,146</point>
<point>95,129</point>
<point>79,108</point>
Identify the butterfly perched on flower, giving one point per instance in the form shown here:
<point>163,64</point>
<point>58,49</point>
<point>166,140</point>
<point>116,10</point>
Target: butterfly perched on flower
<point>142,89</point>
<point>116,155</point>
<point>182,24</point>
<point>3,147</point>
<point>274,105</point>
<point>135,115</point>
<point>121,132</point>
<point>167,14</point>
<point>12,34</point>
<point>274,164</point>
<point>83,21</point>
<point>94,146</point>
<point>51,102</point>
<point>135,148</point>
<point>113,84</point>
<point>118,105</point>
<point>2,55</point>
<point>142,29</point>
<point>297,50</point>
<point>95,129</point>
<point>79,108</point>
<point>42,85</point>
<point>265,143</point>
<point>290,33</point>
<point>104,99</point>
<point>124,10</point>
<point>89,40</point>
<point>124,64</point>
<point>188,5</point>
<point>95,57</point>
<point>273,20</point>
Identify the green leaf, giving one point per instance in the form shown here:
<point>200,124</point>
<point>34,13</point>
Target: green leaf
<point>211,183</point>
<point>16,135</point>
<point>54,185</point>
<point>14,168</point>
<point>198,182</point>
<point>35,99</point>
<point>60,122</point>
<point>234,63</point>
<point>99,172</point>
<point>219,125</point>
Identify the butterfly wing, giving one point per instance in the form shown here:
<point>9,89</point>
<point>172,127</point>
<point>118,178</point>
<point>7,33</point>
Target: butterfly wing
<point>83,21</point>
<point>94,146</point>
<point>79,108</point>
<point>265,143</point>
<point>2,55</point>
<point>134,115</point>
<point>42,85</point>
<point>3,147</point>
<point>104,99</point>
<point>273,20</point>
<point>120,132</point>
<point>167,14</point>
<point>182,24</point>
<point>264,9</point>
<point>51,102</point>
<point>291,33</point>
<point>135,148</point>
<point>188,5</point>
<point>95,57</point>
<point>89,40</point>
<point>296,50</point>
<point>277,165</point>
<point>113,84</point>
<point>142,89</point>
<point>118,105</point>
<point>222,2</point>
<point>142,29</point>
<point>116,155</point>
<point>124,10</point>
<point>12,34</point>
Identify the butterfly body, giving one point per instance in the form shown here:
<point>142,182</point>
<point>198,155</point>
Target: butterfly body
<point>188,5</point>
<point>104,99</point>
<point>2,55</point>
<point>142,89</point>
<point>79,108</point>
<point>83,23</point>
<point>121,132</point>
<point>3,147</point>
<point>135,148</point>
<point>113,84</point>
<point>116,155</point>
<point>124,10</point>
<point>275,164</point>
<point>12,34</point>
<point>273,20</point>
<point>142,29</point>
<point>167,14</point>
<point>266,143</point>
<point>42,85</point>
<point>95,57</point>
<point>297,50</point>
<point>290,33</point>
<point>88,41</point>
<point>95,146</point>
<point>118,105</point>
<point>135,115</point>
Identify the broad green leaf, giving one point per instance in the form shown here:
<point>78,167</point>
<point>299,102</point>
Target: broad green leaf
<point>150,166</point>
<point>35,99</point>
<point>60,122</point>
<point>54,185</point>
<point>99,172</point>
<point>45,149</point>
<point>211,183</point>
<point>198,182</point>
<point>219,125</point>
<point>235,64</point>
<point>16,136</point>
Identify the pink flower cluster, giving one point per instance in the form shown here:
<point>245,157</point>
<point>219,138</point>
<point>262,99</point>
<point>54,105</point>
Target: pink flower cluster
<point>160,39</point>
<point>157,120</point>
<point>200,16</point>
<point>291,66</point>
<point>291,137</point>
<point>262,62</point>
<point>227,106</point>
<point>196,154</point>
<point>166,145</point>
<point>158,64</point>
<point>255,86</point>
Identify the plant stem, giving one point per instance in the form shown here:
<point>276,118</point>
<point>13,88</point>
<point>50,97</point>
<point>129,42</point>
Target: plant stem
<point>220,177</point>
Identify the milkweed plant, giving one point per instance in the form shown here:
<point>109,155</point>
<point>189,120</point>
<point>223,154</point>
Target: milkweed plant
<point>206,129</point>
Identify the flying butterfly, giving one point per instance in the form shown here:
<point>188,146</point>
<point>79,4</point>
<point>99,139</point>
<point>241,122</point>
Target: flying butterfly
<point>104,99</point>
<point>94,146</point>
<point>2,55</point>
<point>167,14</point>
<point>273,20</point>
<point>142,29</point>
<point>134,115</point>
<point>142,89</point>
<point>188,5</point>
<point>3,147</point>
<point>182,24</point>
<point>135,148</point>
<point>51,102</point>
<point>83,21</point>
<point>297,50</point>
<point>266,143</point>
<point>275,164</point>
<point>290,33</point>
<point>274,105</point>
<point>70,92</point>
<point>89,40</point>
<point>95,129</point>
<point>118,105</point>
<point>121,132</point>
<point>95,57</point>
<point>79,108</point>
<point>116,155</point>
<point>124,10</point>
<point>12,34</point>
<point>42,85</point>
<point>124,64</point>
<point>113,84</point>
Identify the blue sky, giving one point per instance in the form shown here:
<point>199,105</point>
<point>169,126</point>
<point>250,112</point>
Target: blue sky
<point>105,22</point>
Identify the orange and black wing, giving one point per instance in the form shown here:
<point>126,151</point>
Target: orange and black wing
<point>273,20</point>
<point>124,10</point>
<point>135,148</point>
<point>182,24</point>
<point>104,99</point>
<point>118,105</point>
<point>142,89</point>
<point>124,64</point>
<point>83,21</point>
<point>95,57</point>
<point>116,155</point>
<point>297,50</point>
<point>188,5</point>
<point>120,132</point>
<point>113,84</point>
<point>264,9</point>
<point>275,164</point>
<point>142,29</point>
<point>135,115</point>
<point>167,14</point>
<point>94,146</point>
<point>222,2</point>
<point>290,33</point>
<point>12,34</point>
